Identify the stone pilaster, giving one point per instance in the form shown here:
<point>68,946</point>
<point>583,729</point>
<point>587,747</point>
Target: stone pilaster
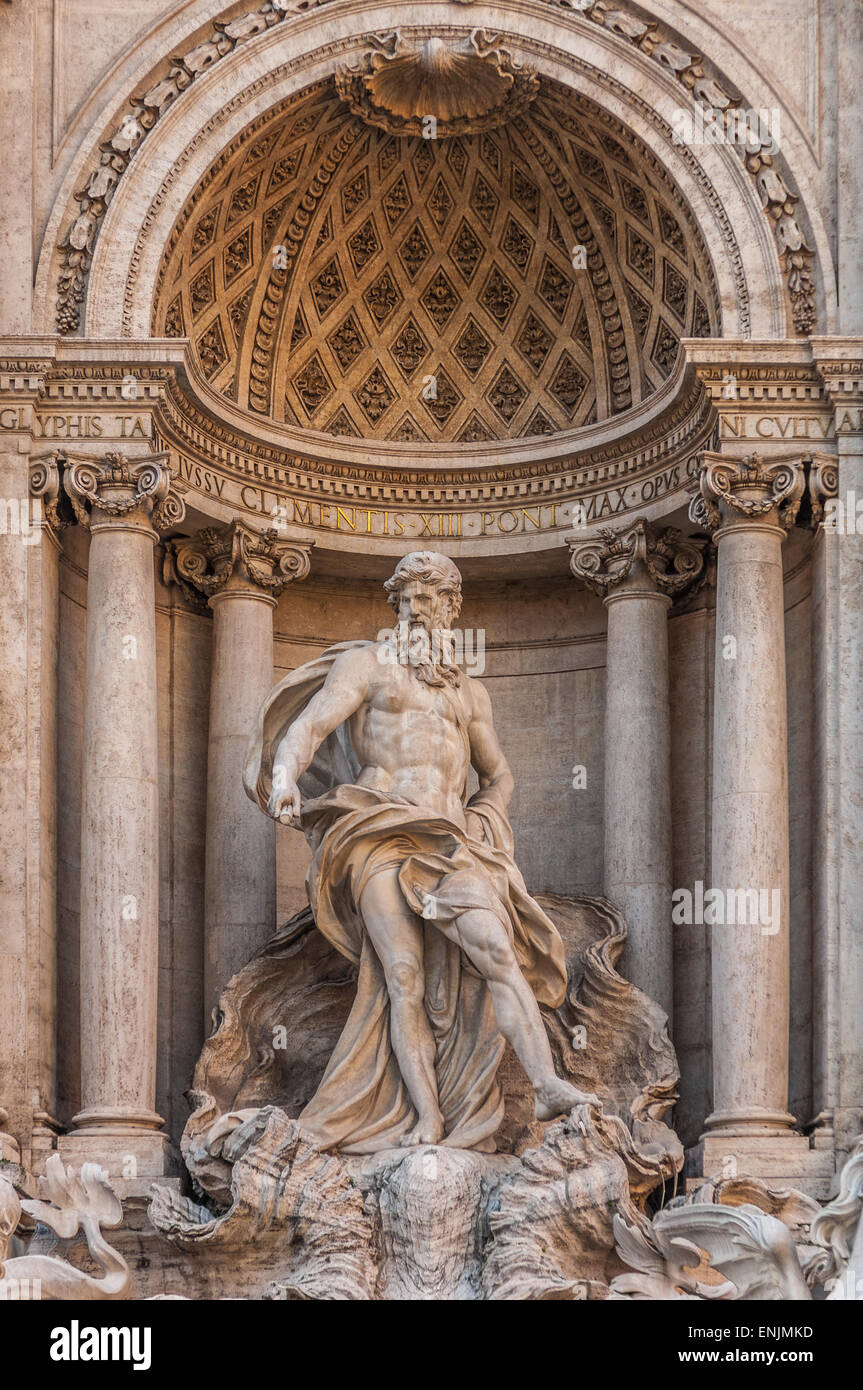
<point>637,571</point>
<point>242,572</point>
<point>28,654</point>
<point>123,502</point>
<point>749,504</point>
<point>837,494</point>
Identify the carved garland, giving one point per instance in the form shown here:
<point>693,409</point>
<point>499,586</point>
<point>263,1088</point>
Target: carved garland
<point>215,553</point>
<point>146,481</point>
<point>76,249</point>
<point>751,486</point>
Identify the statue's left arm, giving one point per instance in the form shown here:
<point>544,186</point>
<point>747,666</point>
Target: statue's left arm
<point>495,779</point>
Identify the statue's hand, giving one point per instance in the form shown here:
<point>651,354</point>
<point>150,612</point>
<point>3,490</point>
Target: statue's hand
<point>285,804</point>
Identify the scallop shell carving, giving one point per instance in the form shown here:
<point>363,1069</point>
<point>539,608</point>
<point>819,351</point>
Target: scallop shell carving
<point>468,86</point>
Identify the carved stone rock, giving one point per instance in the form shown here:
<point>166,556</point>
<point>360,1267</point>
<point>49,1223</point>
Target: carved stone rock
<point>532,1220</point>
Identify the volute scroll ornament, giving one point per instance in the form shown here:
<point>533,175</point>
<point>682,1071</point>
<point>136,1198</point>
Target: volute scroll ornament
<point>823,484</point>
<point>46,484</point>
<point>751,487</point>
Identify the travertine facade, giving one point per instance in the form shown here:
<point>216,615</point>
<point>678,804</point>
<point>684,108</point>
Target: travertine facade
<point>572,294</point>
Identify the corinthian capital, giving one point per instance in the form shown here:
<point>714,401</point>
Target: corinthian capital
<point>116,487</point>
<point>637,556</point>
<point>236,557</point>
<point>754,488</point>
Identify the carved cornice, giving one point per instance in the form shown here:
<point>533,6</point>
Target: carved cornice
<point>117,487</point>
<point>638,557</point>
<point>238,557</point>
<point>672,435</point>
<point>751,488</point>
<point>755,382</point>
<point>839,362</point>
<point>466,86</point>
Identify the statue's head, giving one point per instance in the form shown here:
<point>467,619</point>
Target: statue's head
<point>425,589</point>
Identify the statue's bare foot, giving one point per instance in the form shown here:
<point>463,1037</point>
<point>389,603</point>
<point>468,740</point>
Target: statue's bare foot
<point>427,1130</point>
<point>557,1097</point>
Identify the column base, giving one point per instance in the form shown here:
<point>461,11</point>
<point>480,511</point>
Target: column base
<point>133,1157</point>
<point>783,1160</point>
<point>751,1120</point>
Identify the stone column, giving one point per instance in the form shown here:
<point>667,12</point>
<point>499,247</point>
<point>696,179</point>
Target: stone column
<point>636,571</point>
<point>243,572</point>
<point>748,505</point>
<point>838,748</point>
<point>123,502</point>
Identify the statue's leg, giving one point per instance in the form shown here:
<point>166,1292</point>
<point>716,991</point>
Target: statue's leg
<point>397,936</point>
<point>484,940</point>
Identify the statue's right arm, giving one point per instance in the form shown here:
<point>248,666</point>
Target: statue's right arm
<point>341,695</point>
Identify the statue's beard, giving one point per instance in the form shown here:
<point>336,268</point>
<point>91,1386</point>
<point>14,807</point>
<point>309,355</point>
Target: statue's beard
<point>430,655</point>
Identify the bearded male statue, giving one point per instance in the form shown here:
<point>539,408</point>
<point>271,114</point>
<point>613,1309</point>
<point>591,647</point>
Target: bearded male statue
<point>368,751</point>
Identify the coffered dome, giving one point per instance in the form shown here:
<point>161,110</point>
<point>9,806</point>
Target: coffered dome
<point>510,283</point>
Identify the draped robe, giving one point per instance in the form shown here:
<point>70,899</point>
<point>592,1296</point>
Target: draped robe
<point>362,1104</point>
